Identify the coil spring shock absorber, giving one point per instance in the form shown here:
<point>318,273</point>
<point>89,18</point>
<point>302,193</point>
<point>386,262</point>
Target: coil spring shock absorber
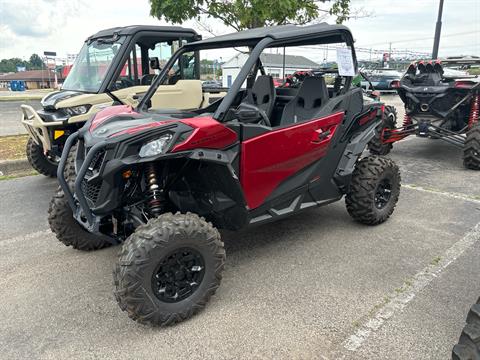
<point>155,194</point>
<point>407,121</point>
<point>474,111</point>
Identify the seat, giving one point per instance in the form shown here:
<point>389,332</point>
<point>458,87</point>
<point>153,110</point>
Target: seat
<point>312,95</point>
<point>262,94</point>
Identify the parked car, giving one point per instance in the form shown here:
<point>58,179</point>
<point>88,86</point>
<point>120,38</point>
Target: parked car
<point>382,78</point>
<point>211,84</point>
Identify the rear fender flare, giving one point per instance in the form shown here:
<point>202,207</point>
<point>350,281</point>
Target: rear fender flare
<point>354,150</point>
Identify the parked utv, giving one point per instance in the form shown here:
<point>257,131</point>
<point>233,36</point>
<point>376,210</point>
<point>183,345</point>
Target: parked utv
<point>439,104</point>
<point>113,67</point>
<point>162,181</point>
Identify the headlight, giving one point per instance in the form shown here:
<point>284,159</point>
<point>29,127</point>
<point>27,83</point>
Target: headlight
<point>77,110</point>
<point>155,147</point>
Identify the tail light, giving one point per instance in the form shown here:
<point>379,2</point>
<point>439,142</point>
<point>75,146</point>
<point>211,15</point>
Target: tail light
<point>395,84</point>
<point>463,84</point>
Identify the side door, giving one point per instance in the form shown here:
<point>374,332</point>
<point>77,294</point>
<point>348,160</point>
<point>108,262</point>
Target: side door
<point>277,156</point>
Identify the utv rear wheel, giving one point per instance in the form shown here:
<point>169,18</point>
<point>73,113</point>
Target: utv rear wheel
<point>168,269</point>
<point>468,346</point>
<point>66,228</point>
<point>376,146</point>
<point>374,190</point>
<point>471,149</point>
<point>39,161</point>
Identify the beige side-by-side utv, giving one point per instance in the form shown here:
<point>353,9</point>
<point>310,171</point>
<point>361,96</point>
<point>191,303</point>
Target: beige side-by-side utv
<point>114,66</point>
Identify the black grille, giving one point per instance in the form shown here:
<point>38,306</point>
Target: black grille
<point>91,189</point>
<point>96,162</point>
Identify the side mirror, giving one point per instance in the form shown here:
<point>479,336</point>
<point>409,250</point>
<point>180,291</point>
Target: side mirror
<point>154,63</point>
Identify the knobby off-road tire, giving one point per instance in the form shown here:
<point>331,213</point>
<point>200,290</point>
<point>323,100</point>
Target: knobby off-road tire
<point>468,347</point>
<point>374,190</point>
<point>66,228</point>
<point>39,161</point>
<point>139,275</point>
<point>471,149</point>
<point>375,146</point>
<point>69,172</point>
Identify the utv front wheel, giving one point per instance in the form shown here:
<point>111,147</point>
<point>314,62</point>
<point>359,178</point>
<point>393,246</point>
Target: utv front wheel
<point>376,145</point>
<point>66,228</point>
<point>471,149</point>
<point>168,269</point>
<point>374,190</point>
<point>39,161</point>
<point>468,346</point>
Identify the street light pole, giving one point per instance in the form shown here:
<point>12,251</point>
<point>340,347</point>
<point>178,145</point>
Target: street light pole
<point>438,29</point>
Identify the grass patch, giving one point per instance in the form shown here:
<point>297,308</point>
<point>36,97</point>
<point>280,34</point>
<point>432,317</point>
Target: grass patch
<point>13,147</point>
<point>435,260</point>
<point>377,307</point>
<point>15,176</point>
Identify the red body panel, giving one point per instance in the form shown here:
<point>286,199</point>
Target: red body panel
<point>109,112</point>
<point>136,129</point>
<point>208,134</point>
<point>271,158</point>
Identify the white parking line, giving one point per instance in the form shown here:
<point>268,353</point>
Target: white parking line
<point>25,237</point>
<point>399,301</point>
<point>445,193</point>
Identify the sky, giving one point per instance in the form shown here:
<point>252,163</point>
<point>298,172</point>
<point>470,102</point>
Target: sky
<point>35,26</point>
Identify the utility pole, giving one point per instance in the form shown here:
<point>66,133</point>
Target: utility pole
<point>438,29</point>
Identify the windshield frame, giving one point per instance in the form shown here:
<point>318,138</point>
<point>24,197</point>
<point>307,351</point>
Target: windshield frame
<point>123,41</point>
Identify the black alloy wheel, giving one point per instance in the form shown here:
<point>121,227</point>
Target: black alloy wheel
<point>178,275</point>
<point>383,193</point>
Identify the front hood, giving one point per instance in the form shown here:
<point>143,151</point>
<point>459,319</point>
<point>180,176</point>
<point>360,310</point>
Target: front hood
<point>123,119</point>
<point>50,101</point>
<point>122,123</point>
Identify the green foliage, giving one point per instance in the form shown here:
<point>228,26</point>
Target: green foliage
<point>10,65</point>
<point>246,14</point>
<point>36,62</point>
<point>341,9</point>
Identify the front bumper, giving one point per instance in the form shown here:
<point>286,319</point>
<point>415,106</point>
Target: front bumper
<point>37,128</point>
<point>76,199</point>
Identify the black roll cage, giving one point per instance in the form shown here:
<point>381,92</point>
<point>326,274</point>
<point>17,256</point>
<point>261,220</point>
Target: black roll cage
<point>253,60</point>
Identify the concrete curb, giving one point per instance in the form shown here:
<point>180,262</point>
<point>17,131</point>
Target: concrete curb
<point>10,167</point>
<point>21,98</point>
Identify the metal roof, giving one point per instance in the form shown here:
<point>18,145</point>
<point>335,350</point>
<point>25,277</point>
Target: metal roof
<point>276,33</point>
<point>31,75</point>
<point>133,29</point>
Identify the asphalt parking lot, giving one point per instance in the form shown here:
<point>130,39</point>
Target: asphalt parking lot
<point>11,115</point>
<point>314,286</point>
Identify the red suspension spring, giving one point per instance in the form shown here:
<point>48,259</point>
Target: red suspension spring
<point>407,121</point>
<point>155,202</point>
<point>474,111</point>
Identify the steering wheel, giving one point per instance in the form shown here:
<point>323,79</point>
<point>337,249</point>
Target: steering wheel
<point>249,113</point>
<point>265,120</point>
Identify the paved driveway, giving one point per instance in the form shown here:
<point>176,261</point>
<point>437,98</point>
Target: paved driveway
<point>316,285</point>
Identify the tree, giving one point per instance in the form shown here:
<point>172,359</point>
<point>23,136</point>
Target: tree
<point>35,62</point>
<point>246,14</point>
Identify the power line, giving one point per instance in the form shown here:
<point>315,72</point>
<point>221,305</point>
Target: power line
<point>425,38</point>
